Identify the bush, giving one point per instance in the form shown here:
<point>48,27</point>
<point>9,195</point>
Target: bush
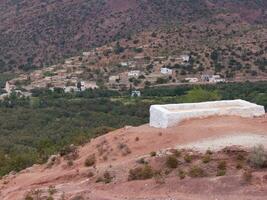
<point>188,158</point>
<point>181,174</point>
<point>141,173</point>
<point>206,158</point>
<point>28,197</point>
<point>222,165</point>
<point>171,162</point>
<point>221,172</point>
<point>153,154</point>
<point>176,152</point>
<point>90,161</point>
<point>71,149</point>
<point>196,171</point>
<point>258,157</point>
<point>107,177</point>
<point>209,152</point>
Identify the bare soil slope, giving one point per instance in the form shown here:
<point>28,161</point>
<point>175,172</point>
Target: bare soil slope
<point>121,150</point>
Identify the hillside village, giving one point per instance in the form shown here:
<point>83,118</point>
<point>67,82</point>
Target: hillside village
<point>143,61</point>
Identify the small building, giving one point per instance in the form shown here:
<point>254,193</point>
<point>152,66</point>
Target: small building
<point>216,79</point>
<point>136,93</point>
<point>88,85</point>
<point>192,80</point>
<point>205,78</point>
<point>114,79</point>
<point>124,64</point>
<point>185,58</point>
<point>134,73</point>
<point>70,89</point>
<point>9,87</point>
<point>165,70</point>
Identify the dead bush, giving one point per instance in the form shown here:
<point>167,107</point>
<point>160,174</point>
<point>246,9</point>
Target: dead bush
<point>206,158</point>
<point>141,173</point>
<point>222,165</point>
<point>171,162</point>
<point>188,158</point>
<point>90,160</point>
<point>67,150</point>
<point>176,152</point>
<point>153,154</point>
<point>181,174</point>
<point>196,171</point>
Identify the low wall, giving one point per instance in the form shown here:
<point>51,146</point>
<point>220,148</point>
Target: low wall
<point>163,116</point>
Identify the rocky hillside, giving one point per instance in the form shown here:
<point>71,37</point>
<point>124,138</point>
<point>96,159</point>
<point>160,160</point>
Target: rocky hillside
<point>36,33</point>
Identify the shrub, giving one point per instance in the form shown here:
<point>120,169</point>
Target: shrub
<point>141,161</point>
<point>209,152</point>
<point>222,165</point>
<point>171,162</point>
<point>107,178</point>
<point>28,197</point>
<point>52,190</point>
<point>69,151</point>
<point>153,154</point>
<point>141,173</point>
<point>221,172</point>
<point>90,161</point>
<point>188,158</point>
<point>196,171</point>
<point>258,157</point>
<point>176,152</point>
<point>206,158</point>
<point>181,174</point>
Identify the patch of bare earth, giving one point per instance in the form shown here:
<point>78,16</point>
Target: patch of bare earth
<point>100,169</point>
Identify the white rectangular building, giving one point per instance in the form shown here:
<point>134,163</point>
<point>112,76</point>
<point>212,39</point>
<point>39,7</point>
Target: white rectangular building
<point>164,116</point>
<point>165,70</point>
<point>134,73</point>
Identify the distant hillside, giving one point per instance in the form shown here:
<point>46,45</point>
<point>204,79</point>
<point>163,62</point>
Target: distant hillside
<point>36,33</point>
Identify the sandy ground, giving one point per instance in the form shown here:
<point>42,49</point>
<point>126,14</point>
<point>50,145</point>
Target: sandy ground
<point>214,132</point>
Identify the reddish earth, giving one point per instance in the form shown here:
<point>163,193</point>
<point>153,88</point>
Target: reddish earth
<point>118,151</point>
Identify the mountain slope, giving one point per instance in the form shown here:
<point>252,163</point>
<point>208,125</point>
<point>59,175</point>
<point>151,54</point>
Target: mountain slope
<point>36,33</point>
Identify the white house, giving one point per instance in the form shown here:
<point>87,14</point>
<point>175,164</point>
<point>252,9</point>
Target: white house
<point>134,73</point>
<point>88,85</point>
<point>9,88</point>
<point>185,58</point>
<point>216,79</point>
<point>70,89</point>
<point>192,80</point>
<point>136,93</point>
<point>165,70</point>
<point>124,64</point>
<point>113,79</point>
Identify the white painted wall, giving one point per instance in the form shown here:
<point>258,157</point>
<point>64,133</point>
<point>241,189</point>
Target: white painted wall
<point>163,116</point>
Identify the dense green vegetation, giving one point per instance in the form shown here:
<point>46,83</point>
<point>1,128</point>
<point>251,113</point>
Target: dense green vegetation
<point>33,128</point>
